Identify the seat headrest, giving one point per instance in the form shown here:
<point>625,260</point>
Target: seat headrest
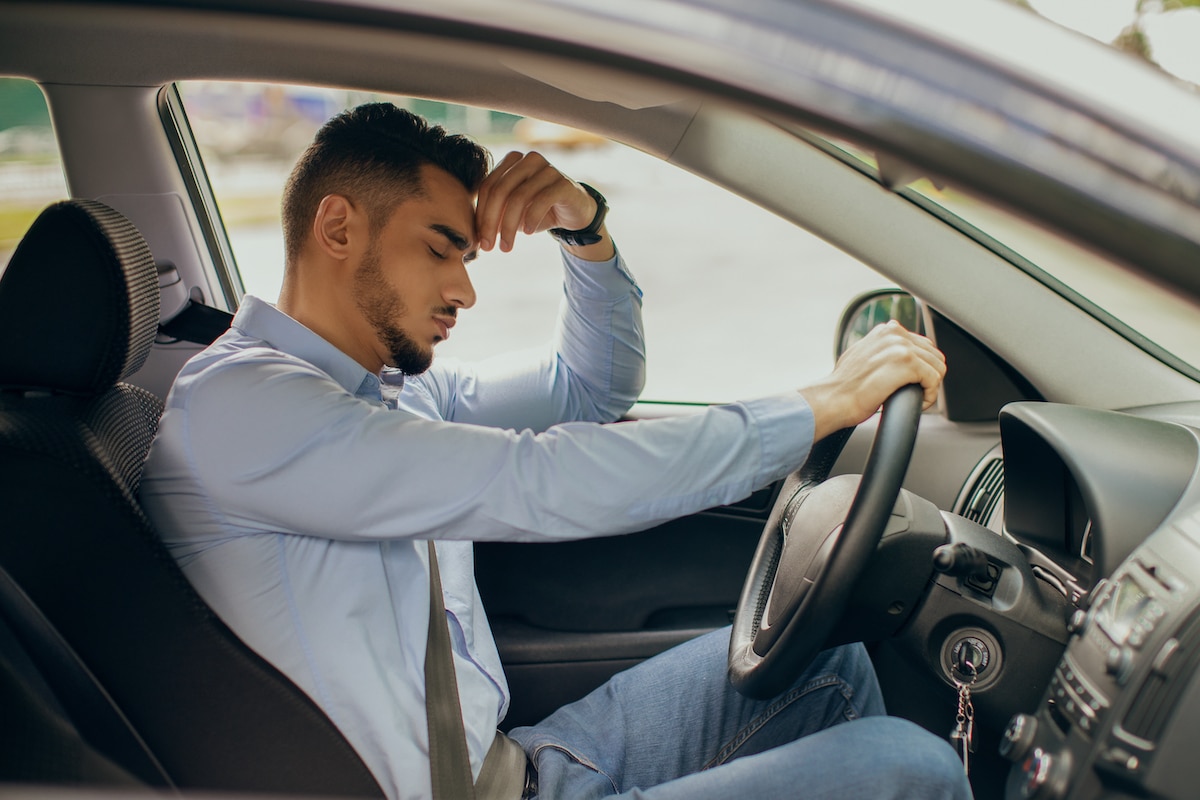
<point>78,302</point>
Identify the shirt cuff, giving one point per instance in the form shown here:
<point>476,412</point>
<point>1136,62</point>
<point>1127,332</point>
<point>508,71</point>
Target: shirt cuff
<point>599,280</point>
<point>787,427</point>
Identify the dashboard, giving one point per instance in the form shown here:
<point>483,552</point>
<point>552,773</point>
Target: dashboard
<point>1088,486</point>
<point>1106,507</point>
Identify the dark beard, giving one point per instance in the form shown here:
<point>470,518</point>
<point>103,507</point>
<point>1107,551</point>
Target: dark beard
<point>380,303</point>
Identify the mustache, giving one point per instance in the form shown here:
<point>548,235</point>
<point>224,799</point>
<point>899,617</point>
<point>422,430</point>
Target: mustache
<point>446,311</point>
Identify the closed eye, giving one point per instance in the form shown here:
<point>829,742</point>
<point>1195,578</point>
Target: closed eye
<point>441,256</point>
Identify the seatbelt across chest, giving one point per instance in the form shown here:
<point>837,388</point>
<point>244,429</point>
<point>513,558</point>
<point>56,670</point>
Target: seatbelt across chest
<point>503,775</point>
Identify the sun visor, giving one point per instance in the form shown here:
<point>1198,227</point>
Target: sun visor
<point>588,82</point>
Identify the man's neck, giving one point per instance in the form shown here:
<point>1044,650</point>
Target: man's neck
<point>320,310</point>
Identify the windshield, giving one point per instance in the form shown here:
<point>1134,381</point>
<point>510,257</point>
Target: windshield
<point>1163,34</point>
<point>1162,322</point>
<point>1158,320</point>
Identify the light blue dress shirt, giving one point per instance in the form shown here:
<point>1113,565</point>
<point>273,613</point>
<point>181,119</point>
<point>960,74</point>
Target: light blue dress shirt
<point>296,490</point>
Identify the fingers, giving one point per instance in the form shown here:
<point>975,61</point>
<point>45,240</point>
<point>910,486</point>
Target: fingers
<point>488,210</point>
<point>902,357</point>
<point>526,194</point>
<point>870,371</point>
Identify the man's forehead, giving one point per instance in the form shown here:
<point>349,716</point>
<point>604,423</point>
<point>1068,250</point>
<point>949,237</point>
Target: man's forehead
<point>449,207</point>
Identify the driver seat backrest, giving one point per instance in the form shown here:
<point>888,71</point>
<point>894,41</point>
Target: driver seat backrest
<point>114,628</point>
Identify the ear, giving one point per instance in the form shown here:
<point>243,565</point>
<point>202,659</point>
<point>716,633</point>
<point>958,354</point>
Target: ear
<point>339,227</point>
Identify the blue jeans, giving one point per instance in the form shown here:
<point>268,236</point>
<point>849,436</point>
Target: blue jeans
<point>672,728</point>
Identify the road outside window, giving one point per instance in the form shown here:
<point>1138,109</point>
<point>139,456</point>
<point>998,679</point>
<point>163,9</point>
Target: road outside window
<point>738,303</point>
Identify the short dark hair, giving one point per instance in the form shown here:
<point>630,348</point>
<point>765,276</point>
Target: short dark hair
<point>373,155</point>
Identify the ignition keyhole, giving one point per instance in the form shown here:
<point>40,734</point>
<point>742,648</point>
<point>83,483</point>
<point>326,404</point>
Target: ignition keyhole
<point>970,657</point>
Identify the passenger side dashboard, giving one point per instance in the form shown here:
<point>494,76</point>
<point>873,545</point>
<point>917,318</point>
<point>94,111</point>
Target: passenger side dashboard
<point>1104,504</point>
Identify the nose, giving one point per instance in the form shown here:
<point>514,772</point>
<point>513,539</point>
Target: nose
<point>459,291</point>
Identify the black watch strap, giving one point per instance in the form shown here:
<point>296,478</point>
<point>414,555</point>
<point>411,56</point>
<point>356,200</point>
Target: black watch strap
<point>590,234</point>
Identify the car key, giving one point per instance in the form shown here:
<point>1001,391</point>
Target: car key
<point>962,737</point>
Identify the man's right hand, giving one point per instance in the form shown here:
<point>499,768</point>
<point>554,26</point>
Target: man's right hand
<point>525,193</point>
<point>869,372</point>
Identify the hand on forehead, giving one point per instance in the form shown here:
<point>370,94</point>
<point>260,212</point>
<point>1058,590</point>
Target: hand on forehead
<point>525,193</point>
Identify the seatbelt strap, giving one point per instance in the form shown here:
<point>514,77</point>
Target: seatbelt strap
<point>504,771</point>
<point>197,323</point>
<point>449,763</point>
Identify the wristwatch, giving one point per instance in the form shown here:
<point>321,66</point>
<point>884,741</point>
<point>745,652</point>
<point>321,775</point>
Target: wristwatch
<point>590,234</point>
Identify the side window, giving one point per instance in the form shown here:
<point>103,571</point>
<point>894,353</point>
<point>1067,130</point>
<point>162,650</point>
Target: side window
<point>31,175</point>
<point>738,302</point>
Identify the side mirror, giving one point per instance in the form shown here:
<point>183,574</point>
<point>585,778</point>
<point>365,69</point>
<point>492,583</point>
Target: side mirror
<point>875,308</point>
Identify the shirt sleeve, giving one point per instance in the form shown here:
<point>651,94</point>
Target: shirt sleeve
<point>302,455</point>
<point>593,371</point>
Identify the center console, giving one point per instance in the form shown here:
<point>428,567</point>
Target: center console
<point>1121,717</point>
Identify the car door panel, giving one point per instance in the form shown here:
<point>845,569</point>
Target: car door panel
<point>567,616</point>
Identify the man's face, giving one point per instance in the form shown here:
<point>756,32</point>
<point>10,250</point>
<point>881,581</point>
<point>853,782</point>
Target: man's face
<point>411,283</point>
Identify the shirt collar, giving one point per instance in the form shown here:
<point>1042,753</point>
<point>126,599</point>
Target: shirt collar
<point>259,319</point>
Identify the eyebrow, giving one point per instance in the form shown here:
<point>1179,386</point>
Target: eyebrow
<point>455,238</point>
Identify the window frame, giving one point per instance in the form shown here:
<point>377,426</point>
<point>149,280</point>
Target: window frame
<point>186,150</point>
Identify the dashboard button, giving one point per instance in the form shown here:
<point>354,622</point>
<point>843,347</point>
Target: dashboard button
<point>1018,737</point>
<point>1035,773</point>
<point>1122,759</point>
<point>1099,589</point>
<point>1119,663</point>
<point>1169,648</point>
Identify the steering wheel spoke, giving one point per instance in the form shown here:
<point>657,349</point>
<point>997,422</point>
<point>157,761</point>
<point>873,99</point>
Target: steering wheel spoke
<point>815,545</point>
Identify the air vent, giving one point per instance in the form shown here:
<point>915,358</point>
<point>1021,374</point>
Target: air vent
<point>986,494</point>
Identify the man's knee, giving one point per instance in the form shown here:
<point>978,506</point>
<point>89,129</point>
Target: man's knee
<point>908,760</point>
<point>881,758</point>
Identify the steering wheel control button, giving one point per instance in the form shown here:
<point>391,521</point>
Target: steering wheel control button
<point>1018,737</point>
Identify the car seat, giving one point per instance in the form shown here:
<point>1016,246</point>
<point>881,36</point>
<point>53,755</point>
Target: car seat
<point>94,611</point>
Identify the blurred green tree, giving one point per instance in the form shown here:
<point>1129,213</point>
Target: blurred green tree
<point>21,103</point>
<point>1133,39</point>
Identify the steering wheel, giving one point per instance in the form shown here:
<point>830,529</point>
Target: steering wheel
<point>817,541</point>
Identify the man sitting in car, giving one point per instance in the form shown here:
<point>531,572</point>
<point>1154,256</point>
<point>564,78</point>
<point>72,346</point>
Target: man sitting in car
<point>306,458</point>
